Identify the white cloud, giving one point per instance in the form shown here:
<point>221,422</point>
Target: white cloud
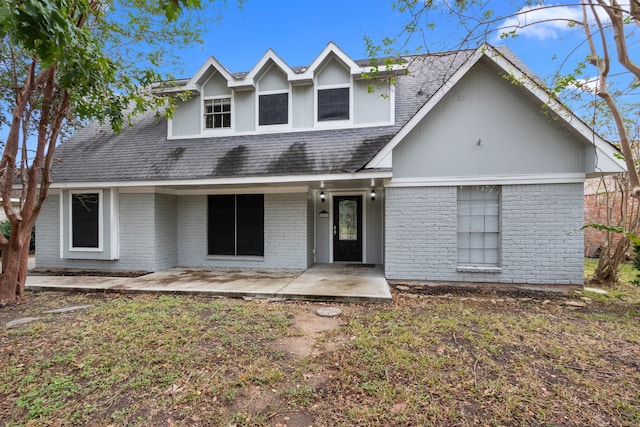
<point>589,85</point>
<point>545,22</point>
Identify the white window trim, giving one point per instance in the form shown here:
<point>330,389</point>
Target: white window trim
<point>332,123</point>
<point>100,247</point>
<point>288,90</point>
<point>207,131</point>
<point>266,128</point>
<point>465,267</point>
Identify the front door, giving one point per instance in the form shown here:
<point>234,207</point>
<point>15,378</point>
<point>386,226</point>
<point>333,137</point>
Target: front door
<point>347,228</point>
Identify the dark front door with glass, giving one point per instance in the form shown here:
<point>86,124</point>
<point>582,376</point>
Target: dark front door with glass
<point>347,228</point>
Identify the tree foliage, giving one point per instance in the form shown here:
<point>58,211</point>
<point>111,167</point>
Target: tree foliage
<point>63,63</point>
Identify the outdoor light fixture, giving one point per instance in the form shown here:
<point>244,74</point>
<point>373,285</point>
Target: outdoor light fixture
<point>373,194</point>
<point>322,196</point>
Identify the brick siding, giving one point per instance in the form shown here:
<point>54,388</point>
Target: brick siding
<point>540,238</point>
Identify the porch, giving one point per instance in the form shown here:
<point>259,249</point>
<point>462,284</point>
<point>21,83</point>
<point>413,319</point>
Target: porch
<point>320,282</point>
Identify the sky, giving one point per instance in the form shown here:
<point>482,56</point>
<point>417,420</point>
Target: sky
<point>298,31</point>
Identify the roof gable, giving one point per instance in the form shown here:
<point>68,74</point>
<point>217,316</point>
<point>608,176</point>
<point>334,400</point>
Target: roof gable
<point>608,162</point>
<point>203,74</point>
<point>268,60</point>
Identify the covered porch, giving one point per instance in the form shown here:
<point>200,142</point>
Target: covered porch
<point>320,282</point>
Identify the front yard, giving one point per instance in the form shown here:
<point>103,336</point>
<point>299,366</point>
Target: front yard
<point>441,359</point>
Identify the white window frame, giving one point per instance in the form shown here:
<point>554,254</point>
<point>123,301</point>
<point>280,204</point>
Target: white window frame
<point>289,91</point>
<point>276,127</point>
<point>203,121</point>
<point>100,247</point>
<point>479,265</point>
<point>332,123</point>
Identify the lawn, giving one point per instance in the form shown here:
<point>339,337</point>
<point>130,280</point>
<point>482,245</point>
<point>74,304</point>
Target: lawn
<point>476,358</point>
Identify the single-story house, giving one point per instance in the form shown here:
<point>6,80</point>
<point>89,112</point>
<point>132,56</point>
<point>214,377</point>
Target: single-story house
<point>464,169</point>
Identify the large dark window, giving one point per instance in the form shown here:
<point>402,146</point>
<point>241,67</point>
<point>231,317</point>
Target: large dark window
<point>85,219</point>
<point>333,104</point>
<point>236,224</point>
<point>274,109</point>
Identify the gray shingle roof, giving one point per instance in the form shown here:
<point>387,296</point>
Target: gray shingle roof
<point>142,152</point>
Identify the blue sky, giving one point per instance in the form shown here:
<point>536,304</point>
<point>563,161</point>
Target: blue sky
<point>298,30</point>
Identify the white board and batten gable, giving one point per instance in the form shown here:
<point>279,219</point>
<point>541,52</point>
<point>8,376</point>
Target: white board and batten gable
<point>482,128</point>
<point>300,91</point>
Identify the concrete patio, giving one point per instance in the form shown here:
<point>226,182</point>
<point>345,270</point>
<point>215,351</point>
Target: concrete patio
<point>321,282</point>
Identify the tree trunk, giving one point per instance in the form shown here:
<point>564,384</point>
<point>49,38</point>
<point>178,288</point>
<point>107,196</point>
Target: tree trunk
<point>609,262</point>
<point>13,258</point>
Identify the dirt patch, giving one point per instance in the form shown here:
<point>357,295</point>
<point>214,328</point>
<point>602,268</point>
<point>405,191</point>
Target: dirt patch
<point>309,326</point>
<point>479,292</point>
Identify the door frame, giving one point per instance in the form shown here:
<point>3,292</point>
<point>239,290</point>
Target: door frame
<point>362,193</point>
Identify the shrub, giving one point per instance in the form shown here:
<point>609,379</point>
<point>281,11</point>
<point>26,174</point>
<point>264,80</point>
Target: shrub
<point>5,229</point>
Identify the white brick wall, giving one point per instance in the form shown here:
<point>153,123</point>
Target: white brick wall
<point>48,233</point>
<point>137,244</point>
<point>285,228</point>
<point>166,231</point>
<point>420,233</point>
<point>540,243</point>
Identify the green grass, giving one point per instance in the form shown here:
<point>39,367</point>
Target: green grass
<point>442,361</point>
<point>473,359</point>
<point>119,354</point>
<point>625,289</point>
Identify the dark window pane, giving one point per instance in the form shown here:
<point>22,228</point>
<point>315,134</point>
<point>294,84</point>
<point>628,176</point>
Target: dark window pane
<point>333,104</point>
<point>274,109</point>
<point>250,224</point>
<point>217,113</point>
<point>85,219</point>
<point>221,227</point>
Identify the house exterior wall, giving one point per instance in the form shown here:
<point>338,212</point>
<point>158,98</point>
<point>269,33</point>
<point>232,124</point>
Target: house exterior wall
<point>540,239</point>
<point>310,230</point>
<point>302,106</point>
<point>273,79</point>
<point>285,234</point>
<point>216,86</point>
<point>515,135</point>
<point>367,109</point>
<point>370,107</point>
<point>136,237</point>
<point>375,228</point>
<point>186,117</point>
<point>333,73</point>
<point>166,231</point>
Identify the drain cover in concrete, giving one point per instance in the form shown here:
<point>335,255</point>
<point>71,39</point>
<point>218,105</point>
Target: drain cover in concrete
<point>328,311</point>
<point>22,321</point>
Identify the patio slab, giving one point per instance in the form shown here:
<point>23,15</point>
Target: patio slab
<point>321,282</point>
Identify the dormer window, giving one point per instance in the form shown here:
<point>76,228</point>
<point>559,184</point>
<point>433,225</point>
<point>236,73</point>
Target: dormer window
<point>333,93</point>
<point>274,97</point>
<point>333,104</point>
<point>217,113</point>
<point>273,109</point>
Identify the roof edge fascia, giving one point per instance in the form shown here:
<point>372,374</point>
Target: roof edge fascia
<point>279,179</point>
